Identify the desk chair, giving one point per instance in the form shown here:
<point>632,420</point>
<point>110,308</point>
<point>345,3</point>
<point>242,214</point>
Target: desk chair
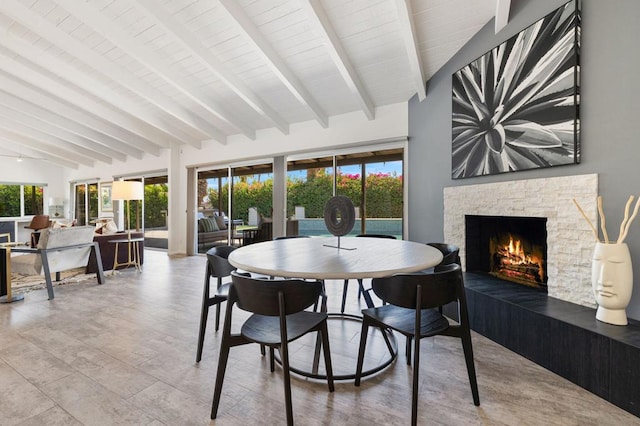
<point>279,317</point>
<point>361,289</point>
<point>410,311</point>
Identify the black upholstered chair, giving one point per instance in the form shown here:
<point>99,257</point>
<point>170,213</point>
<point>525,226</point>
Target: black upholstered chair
<point>218,266</point>
<point>410,310</point>
<point>279,317</point>
<point>361,289</point>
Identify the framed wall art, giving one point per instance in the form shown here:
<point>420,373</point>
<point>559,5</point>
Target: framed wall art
<point>516,107</point>
<point>106,203</point>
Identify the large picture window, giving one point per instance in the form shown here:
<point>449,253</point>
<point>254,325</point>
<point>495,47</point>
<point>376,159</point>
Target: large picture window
<point>21,200</point>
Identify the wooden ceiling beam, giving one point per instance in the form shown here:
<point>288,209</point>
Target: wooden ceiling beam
<point>215,66</point>
<point>91,59</point>
<point>89,15</point>
<point>277,65</point>
<point>42,144</point>
<point>35,154</point>
<point>84,84</point>
<point>408,30</point>
<point>338,55</point>
<point>98,130</point>
<point>44,119</point>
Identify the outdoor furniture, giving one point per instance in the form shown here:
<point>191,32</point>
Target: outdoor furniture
<point>410,311</point>
<point>279,317</point>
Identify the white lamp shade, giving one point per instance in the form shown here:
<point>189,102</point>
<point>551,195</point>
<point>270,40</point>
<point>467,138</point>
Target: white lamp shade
<point>127,190</point>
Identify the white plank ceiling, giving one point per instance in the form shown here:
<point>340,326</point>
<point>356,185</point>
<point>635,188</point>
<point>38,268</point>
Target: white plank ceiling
<point>90,82</point>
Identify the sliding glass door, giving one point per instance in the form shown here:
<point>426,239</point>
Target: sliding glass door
<point>86,201</point>
<point>372,180</point>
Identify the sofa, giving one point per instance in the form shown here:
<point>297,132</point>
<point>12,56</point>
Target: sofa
<point>211,231</point>
<point>107,250</point>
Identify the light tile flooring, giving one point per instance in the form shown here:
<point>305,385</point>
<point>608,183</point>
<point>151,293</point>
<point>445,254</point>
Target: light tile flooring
<point>123,353</point>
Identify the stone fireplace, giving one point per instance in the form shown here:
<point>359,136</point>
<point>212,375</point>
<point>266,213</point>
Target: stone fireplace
<point>569,240</point>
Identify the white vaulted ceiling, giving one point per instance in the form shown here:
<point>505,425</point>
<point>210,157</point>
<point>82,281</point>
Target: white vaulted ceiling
<point>89,82</point>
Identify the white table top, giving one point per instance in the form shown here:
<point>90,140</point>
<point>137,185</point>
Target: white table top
<point>310,258</point>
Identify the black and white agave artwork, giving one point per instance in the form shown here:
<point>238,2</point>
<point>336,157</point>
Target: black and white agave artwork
<point>516,107</point>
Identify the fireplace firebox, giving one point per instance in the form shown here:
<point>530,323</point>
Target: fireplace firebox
<point>508,247</point>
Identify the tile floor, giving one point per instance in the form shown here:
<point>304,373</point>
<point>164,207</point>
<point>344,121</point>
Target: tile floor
<point>123,353</point>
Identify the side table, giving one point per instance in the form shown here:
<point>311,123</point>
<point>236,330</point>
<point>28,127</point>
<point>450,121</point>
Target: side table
<point>133,245</point>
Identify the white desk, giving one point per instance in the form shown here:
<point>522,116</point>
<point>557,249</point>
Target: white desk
<point>311,258</point>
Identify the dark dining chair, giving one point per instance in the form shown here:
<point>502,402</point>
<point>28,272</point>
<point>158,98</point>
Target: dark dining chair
<point>450,254</point>
<point>279,317</point>
<point>361,290</point>
<point>218,266</point>
<point>412,299</point>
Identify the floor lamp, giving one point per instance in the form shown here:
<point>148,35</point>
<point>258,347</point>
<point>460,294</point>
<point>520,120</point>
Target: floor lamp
<point>127,190</point>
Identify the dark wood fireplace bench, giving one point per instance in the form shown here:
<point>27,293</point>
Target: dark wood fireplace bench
<point>560,336</point>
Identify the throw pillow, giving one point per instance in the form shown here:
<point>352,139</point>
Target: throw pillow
<point>220,222</point>
<point>110,227</point>
<point>208,225</point>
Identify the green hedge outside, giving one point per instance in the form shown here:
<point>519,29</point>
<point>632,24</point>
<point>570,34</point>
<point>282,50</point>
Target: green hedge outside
<point>384,194</point>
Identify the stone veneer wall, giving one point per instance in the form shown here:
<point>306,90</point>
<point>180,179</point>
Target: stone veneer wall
<point>570,240</point>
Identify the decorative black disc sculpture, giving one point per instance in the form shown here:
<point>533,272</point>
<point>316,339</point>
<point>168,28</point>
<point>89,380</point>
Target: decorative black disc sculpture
<point>339,216</point>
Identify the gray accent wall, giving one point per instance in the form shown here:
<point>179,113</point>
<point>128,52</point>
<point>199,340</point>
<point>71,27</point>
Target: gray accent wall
<point>609,113</point>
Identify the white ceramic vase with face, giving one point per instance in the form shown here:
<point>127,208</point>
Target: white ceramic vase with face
<point>612,280</point>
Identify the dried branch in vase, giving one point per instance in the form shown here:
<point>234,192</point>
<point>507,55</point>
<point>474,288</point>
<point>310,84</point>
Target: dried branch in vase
<point>624,226</point>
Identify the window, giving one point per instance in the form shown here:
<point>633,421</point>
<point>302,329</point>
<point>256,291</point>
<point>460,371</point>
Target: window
<point>371,179</point>
<point>87,202</point>
<point>21,200</point>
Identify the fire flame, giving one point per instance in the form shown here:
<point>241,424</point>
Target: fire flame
<point>515,250</point>
<point>513,255</point>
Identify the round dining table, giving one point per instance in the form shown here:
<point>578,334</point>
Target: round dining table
<point>330,258</point>
<point>321,258</point>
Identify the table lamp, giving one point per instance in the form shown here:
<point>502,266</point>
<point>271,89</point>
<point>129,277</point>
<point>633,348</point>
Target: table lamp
<point>127,190</point>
